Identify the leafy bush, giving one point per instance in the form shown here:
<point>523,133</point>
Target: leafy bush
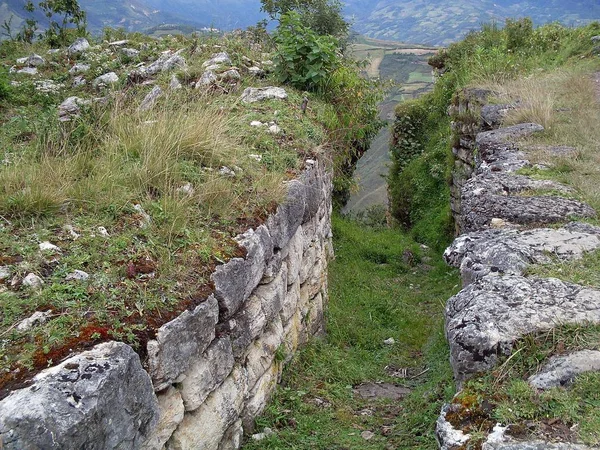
<point>4,85</point>
<point>322,16</point>
<point>303,58</point>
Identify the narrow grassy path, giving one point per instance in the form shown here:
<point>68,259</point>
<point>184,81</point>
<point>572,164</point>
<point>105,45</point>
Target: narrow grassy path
<point>382,285</point>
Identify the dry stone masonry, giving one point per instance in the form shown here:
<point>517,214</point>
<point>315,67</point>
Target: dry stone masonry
<point>210,371</point>
<point>500,233</point>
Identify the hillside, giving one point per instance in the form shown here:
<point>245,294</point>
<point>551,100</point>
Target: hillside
<point>439,22</point>
<point>431,22</point>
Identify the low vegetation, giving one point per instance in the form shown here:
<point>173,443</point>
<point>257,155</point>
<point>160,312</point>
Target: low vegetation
<point>121,212</point>
<point>504,396</point>
<point>382,285</point>
<point>546,69</point>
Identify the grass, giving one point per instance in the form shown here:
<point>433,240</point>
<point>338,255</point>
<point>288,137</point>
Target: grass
<point>382,285</point>
<point>583,271</point>
<point>568,413</point>
<point>60,182</point>
<point>566,101</point>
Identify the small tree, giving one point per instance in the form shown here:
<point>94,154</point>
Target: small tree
<point>303,58</point>
<point>62,15</point>
<point>322,16</point>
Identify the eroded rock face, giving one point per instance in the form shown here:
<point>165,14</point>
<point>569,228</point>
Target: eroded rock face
<point>485,319</point>
<point>72,405</point>
<point>510,251</point>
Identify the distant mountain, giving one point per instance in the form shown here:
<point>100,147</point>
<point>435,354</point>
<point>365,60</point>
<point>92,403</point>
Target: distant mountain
<point>439,22</point>
<point>130,14</point>
<point>431,22</point>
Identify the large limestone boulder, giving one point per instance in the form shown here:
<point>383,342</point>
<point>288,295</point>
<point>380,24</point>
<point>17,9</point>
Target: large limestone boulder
<point>100,399</point>
<point>484,320</point>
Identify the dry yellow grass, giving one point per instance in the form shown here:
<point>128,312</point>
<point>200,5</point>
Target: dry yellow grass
<point>567,104</point>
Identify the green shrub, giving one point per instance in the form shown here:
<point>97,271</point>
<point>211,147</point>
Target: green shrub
<point>303,58</point>
<point>4,85</point>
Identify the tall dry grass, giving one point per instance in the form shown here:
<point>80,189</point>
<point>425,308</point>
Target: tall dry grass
<point>134,157</point>
<point>567,103</point>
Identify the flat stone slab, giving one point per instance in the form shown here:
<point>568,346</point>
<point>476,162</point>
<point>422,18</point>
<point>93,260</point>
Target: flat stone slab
<point>499,195</point>
<point>510,251</point>
<point>562,370</point>
<point>72,405</point>
<point>484,320</point>
<point>372,391</point>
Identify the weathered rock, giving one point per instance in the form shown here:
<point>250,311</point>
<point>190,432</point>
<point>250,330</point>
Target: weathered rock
<point>171,412</point>
<point>130,52</point>
<point>78,81</point>
<point>261,308</point>
<point>150,98</point>
<point>230,75</point>
<point>80,45</point>
<point>256,72</point>
<point>72,405</point>
<point>448,437</point>
<point>235,281</point>
<point>562,370</point>
<point>5,273</point>
<point>206,79</point>
<point>119,43</point>
<point>261,353</point>
<point>289,215</point>
<point>164,63</point>
<point>204,428</point>
<point>70,108</point>
<point>177,342</point>
<point>28,71</point>
<point>217,60</point>
<point>79,68</point>
<point>258,397</point>
<point>484,320</point>
<point>252,95</point>
<point>38,317</point>
<point>511,251</point>
<point>78,275</point>
<point>32,61</point>
<point>49,247</point>
<point>175,84</point>
<point>106,79</point>
<point>499,440</point>
<point>493,115</point>
<point>496,195</point>
<point>206,373</point>
<point>232,439</point>
<point>33,281</point>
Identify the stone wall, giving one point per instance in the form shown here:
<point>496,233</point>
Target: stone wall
<point>502,232</point>
<point>210,371</point>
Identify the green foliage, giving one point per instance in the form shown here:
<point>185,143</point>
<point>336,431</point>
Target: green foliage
<point>374,295</point>
<point>420,144</point>
<point>304,58</point>
<point>322,16</point>
<point>65,19</point>
<point>4,85</point>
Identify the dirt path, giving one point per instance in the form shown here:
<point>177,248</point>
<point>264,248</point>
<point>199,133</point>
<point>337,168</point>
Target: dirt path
<point>597,80</point>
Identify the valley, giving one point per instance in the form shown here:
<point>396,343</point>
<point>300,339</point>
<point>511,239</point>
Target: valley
<point>405,67</point>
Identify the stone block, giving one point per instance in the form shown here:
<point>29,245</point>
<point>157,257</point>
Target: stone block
<point>206,373</point>
<point>179,341</point>
<point>235,281</point>
<point>204,428</point>
<point>99,399</point>
<point>290,301</point>
<point>294,258</point>
<point>262,352</point>
<point>289,215</point>
<point>171,411</point>
<point>259,396</point>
